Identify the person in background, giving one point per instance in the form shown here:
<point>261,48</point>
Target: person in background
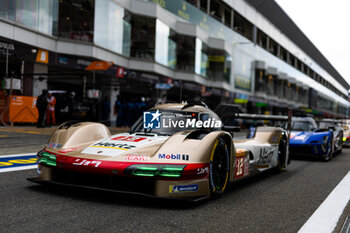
<point>50,112</point>
<point>41,104</point>
<point>71,102</point>
<point>106,109</point>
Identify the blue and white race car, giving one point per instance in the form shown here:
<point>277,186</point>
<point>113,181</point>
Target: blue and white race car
<point>308,139</point>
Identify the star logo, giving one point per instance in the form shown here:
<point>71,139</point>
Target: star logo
<point>151,120</point>
<point>155,115</point>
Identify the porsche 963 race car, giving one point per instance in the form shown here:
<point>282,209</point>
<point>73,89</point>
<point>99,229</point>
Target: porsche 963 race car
<point>180,151</point>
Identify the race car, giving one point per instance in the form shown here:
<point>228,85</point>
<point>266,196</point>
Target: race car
<point>346,127</point>
<point>307,139</point>
<point>338,132</point>
<point>176,151</point>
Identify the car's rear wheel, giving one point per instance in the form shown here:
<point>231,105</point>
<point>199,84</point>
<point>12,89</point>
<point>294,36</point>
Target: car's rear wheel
<point>281,157</point>
<point>219,168</point>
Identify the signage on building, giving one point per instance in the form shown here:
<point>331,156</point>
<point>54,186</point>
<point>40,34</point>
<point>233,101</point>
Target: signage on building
<point>120,72</point>
<point>93,93</point>
<point>16,84</point>
<point>163,86</point>
<point>216,58</point>
<point>241,99</point>
<point>4,46</point>
<point>42,56</point>
<point>99,65</point>
<point>72,61</point>
<point>242,83</point>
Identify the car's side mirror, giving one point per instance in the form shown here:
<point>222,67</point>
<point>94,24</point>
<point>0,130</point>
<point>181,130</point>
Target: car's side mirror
<point>231,128</point>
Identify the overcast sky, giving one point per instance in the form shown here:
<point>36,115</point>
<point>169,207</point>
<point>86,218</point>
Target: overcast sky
<point>327,24</point>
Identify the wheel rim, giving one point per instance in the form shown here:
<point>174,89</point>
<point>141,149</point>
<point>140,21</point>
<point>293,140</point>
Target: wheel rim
<point>219,167</point>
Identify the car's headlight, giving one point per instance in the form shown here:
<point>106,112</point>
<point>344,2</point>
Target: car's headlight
<point>155,170</point>
<point>46,158</point>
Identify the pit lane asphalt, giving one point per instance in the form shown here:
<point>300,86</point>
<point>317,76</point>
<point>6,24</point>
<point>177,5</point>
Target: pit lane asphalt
<point>265,203</point>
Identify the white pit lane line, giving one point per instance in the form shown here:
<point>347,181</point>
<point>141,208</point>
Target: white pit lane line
<point>327,215</point>
<point>17,155</point>
<point>17,168</point>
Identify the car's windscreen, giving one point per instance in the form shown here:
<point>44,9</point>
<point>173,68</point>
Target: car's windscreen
<point>325,125</point>
<point>302,126</point>
<point>171,122</point>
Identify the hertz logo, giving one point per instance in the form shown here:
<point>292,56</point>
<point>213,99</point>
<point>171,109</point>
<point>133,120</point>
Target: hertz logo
<point>113,145</point>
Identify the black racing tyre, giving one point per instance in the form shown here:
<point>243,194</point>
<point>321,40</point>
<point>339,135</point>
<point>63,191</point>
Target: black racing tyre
<point>282,154</point>
<point>329,154</point>
<point>219,167</point>
<point>341,143</point>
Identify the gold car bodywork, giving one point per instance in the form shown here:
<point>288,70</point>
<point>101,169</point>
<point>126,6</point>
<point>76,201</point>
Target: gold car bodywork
<point>88,142</point>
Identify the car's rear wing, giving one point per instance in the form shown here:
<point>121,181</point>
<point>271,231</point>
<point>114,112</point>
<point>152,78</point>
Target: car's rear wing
<point>231,111</point>
<point>225,111</point>
<point>262,117</point>
<point>330,120</point>
<point>334,123</point>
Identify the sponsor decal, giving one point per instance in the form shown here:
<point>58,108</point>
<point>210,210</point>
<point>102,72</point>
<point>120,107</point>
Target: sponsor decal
<point>202,170</point>
<point>119,146</point>
<point>154,120</point>
<point>301,137</point>
<point>239,167</point>
<point>134,157</point>
<point>191,122</point>
<point>84,162</point>
<point>69,150</point>
<point>246,166</point>
<point>151,120</point>
<point>174,156</point>
<point>240,152</point>
<point>128,138</point>
<point>54,145</point>
<point>183,188</point>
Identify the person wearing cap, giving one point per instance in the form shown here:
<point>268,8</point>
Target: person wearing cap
<point>50,112</point>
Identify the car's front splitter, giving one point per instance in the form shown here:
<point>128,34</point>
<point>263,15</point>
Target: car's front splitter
<point>195,198</point>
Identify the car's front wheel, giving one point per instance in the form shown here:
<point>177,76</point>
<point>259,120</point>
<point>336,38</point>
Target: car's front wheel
<point>218,168</point>
<point>282,154</point>
<point>329,154</point>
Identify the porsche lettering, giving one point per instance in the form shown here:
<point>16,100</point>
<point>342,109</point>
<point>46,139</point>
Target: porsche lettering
<point>202,170</point>
<point>84,162</point>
